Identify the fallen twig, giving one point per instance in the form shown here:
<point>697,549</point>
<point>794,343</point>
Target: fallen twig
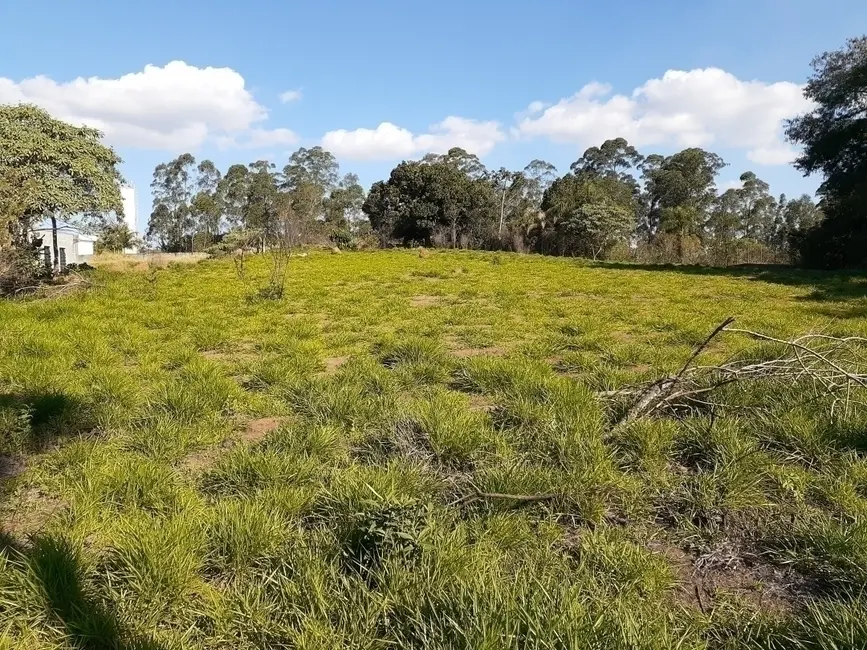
<point>728,321</point>
<point>56,289</point>
<point>659,392</point>
<point>834,365</point>
<point>523,498</point>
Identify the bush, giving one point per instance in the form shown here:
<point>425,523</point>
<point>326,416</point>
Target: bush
<point>115,237</point>
<point>20,270</point>
<point>839,241</point>
<point>83,266</point>
<point>341,237</point>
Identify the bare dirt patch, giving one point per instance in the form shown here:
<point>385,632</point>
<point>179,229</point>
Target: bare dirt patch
<point>481,403</point>
<point>727,572</point>
<point>29,512</point>
<point>332,364</point>
<point>201,460</point>
<point>238,351</point>
<point>233,355</point>
<point>256,430</point>
<point>424,301</point>
<point>622,337</point>
<point>11,466</point>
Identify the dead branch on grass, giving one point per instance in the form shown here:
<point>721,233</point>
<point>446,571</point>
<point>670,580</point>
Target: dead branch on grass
<point>518,498</point>
<point>831,366</point>
<point>71,282</point>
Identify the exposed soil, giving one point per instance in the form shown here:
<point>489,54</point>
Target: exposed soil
<point>481,403</point>
<point>332,364</point>
<point>11,466</point>
<point>622,337</point>
<point>256,430</point>
<point>477,352</point>
<point>29,512</point>
<point>201,460</point>
<point>727,572</point>
<point>242,354</point>
<point>423,301</point>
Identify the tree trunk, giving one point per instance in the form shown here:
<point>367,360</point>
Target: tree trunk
<point>55,248</point>
<point>502,213</point>
<point>454,233</point>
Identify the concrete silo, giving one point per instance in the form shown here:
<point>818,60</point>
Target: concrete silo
<point>127,194</point>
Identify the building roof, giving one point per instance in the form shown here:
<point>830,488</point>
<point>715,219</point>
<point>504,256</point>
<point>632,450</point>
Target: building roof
<point>66,228</point>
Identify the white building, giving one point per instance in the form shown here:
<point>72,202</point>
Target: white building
<point>73,246</point>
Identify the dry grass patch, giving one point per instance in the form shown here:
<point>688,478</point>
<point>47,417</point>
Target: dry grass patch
<point>333,364</point>
<point>140,262</point>
<point>256,430</point>
<point>424,301</point>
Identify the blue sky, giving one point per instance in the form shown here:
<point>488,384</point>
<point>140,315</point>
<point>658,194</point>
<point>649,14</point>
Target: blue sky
<point>512,80</point>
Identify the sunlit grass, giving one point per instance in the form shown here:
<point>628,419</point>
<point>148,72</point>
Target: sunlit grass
<point>206,470</point>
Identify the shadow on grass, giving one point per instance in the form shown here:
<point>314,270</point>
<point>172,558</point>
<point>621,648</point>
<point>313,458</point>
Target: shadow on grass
<point>827,286</point>
<point>55,566</point>
<point>31,419</point>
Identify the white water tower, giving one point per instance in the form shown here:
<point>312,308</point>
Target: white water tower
<point>127,195</point>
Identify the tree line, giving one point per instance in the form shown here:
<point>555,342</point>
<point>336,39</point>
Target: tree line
<point>612,201</point>
<point>196,207</point>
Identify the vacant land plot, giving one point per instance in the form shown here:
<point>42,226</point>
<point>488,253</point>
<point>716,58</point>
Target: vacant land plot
<point>183,466</point>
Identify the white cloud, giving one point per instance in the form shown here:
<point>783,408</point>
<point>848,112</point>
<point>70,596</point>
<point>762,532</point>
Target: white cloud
<point>176,107</point>
<point>257,138</point>
<point>698,108</point>
<point>733,184</point>
<point>291,96</point>
<point>389,141</point>
<point>776,154</point>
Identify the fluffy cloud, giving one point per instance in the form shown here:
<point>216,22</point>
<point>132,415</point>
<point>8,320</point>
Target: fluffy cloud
<point>291,96</point>
<point>732,184</point>
<point>698,108</point>
<point>388,141</point>
<point>257,138</point>
<point>174,107</point>
<point>776,154</point>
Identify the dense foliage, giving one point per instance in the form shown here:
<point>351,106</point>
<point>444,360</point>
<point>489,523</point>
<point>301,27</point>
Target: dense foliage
<point>195,205</point>
<point>834,137</point>
<point>49,169</point>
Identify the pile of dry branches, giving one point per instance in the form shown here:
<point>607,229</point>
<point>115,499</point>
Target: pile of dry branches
<point>56,287</point>
<point>820,364</point>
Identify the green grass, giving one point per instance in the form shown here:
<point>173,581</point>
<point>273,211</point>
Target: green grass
<point>387,389</point>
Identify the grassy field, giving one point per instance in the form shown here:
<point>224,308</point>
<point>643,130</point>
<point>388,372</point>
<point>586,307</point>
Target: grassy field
<point>184,466</point>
